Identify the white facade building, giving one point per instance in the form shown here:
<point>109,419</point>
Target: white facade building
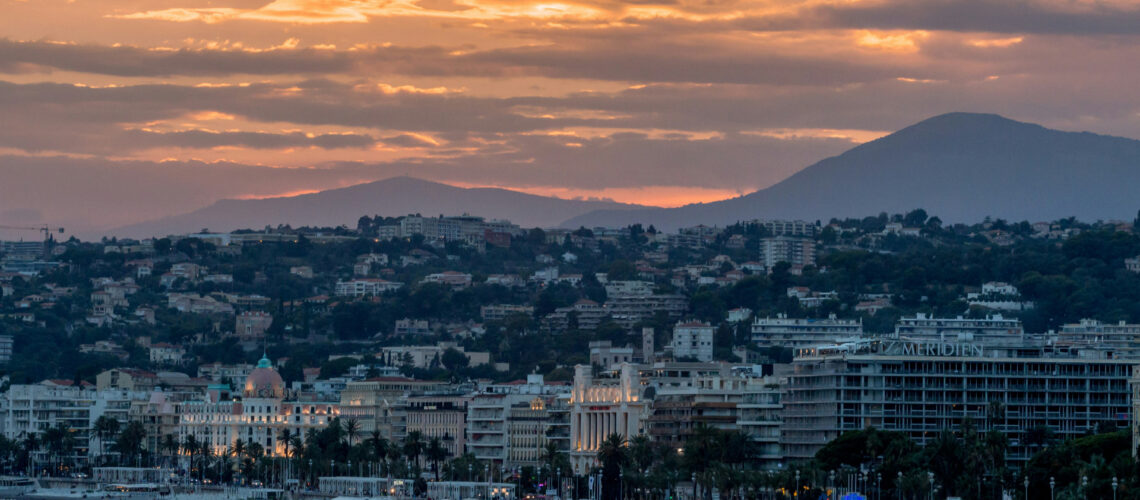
<point>602,407</point>
<point>693,340</point>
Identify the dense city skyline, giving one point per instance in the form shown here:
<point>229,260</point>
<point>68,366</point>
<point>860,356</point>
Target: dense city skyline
<point>168,106</point>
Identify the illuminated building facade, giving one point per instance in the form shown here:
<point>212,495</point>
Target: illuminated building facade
<point>600,407</point>
<point>259,415</point>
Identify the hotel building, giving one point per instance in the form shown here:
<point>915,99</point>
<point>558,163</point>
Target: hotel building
<point>922,387</point>
<point>259,415</point>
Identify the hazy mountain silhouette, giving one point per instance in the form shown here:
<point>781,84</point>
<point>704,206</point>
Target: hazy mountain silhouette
<point>390,197</point>
<point>961,167</point>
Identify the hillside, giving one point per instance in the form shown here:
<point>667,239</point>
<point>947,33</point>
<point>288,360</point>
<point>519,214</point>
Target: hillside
<point>961,167</point>
<point>389,197</point>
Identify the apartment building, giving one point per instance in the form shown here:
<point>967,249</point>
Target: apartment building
<point>500,312</point>
<point>360,287</point>
<point>797,251</point>
<point>783,331</point>
<point>926,327</point>
<point>694,340</point>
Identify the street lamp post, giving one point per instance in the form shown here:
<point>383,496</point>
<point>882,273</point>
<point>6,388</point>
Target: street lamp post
<point>930,483</point>
<point>1026,482</point>
<point>898,485</point>
<point>1084,487</point>
<point>1115,483</point>
<point>1052,483</point>
<point>797,495</point>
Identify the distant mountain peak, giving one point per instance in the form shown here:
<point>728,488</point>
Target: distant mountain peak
<point>959,166</point>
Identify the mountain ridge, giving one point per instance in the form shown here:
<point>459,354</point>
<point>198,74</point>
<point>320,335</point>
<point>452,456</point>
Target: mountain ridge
<point>960,166</point>
<point>394,196</point>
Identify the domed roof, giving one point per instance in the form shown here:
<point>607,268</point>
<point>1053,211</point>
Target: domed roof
<point>264,381</point>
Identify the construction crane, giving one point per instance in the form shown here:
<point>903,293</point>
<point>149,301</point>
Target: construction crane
<point>47,230</point>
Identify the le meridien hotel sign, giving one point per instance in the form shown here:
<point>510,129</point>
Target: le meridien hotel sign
<point>933,349</point>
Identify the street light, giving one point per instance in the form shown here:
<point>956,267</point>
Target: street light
<point>1026,482</point>
<point>898,485</point>
<point>1115,483</point>
<point>1052,483</point>
<point>797,483</point>
<point>930,482</point>
<point>1084,486</point>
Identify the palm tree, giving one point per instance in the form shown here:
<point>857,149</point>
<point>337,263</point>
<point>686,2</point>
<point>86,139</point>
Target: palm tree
<point>169,446</point>
<point>414,446</point>
<point>106,428</point>
<point>351,430</point>
<point>436,453</point>
<point>378,446</point>
<point>286,439</point>
<point>394,455</point>
<point>53,439</point>
<point>131,439</point>
<point>31,445</point>
<point>612,455</point>
<point>190,447</point>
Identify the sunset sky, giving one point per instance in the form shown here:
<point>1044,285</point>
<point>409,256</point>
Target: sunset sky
<point>114,111</point>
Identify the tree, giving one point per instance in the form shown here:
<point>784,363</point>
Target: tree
<point>454,360</point>
<point>621,270</point>
<point>106,428</point>
<point>131,439</point>
<point>169,446</point>
<point>414,446</point>
<point>351,430</point>
<point>435,453</point>
<point>612,456</point>
<point>378,446</point>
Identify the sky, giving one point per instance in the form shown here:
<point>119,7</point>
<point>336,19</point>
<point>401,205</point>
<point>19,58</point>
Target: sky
<point>117,111</point>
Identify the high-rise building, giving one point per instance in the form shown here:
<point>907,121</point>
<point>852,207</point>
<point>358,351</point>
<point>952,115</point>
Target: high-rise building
<point>797,251</point>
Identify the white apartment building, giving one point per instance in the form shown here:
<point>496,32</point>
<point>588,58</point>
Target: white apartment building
<point>499,312</point>
<point>6,343</point>
<point>788,227</point>
<point>360,287</point>
<point>629,288</point>
<point>604,354</point>
<point>33,408</point>
<point>454,279</point>
<point>924,327</point>
<point>1132,264</point>
<point>507,423</point>
<point>693,340</point>
<point>628,310</point>
<point>408,326</point>
<point>788,332</point>
<point>1122,337</point>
